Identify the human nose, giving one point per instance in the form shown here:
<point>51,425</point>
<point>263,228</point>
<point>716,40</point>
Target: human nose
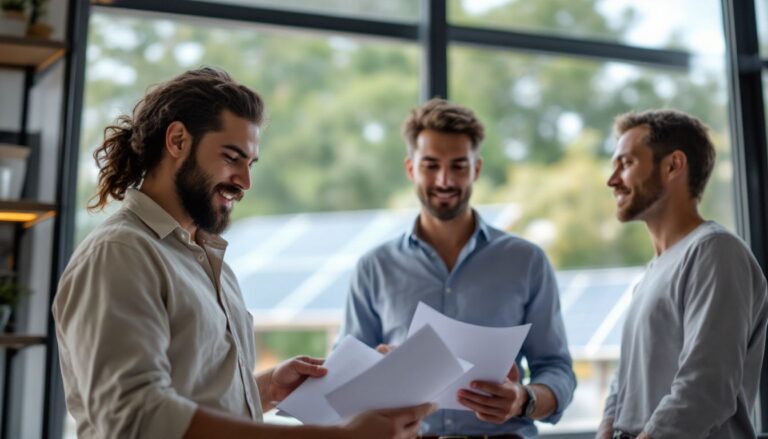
<point>613,179</point>
<point>243,178</point>
<point>444,177</point>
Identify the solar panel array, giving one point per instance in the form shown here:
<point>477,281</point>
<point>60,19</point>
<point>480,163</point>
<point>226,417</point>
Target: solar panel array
<point>295,270</point>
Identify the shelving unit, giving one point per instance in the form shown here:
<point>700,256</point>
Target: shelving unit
<point>28,213</point>
<point>13,341</point>
<point>24,52</point>
<point>32,57</point>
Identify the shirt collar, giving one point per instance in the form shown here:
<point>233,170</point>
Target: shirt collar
<point>481,232</point>
<point>152,214</point>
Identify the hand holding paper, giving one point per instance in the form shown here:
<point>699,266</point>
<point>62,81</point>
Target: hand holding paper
<point>491,350</point>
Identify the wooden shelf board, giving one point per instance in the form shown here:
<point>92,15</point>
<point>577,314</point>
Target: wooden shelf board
<point>29,52</point>
<point>41,211</point>
<point>14,341</point>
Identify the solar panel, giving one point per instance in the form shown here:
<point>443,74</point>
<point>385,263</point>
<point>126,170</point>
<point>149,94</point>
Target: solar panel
<point>297,268</point>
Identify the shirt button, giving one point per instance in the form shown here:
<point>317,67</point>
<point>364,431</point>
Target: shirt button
<point>200,258</point>
<point>448,422</point>
<point>448,290</point>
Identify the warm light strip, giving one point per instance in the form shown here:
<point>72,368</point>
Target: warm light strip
<point>21,217</point>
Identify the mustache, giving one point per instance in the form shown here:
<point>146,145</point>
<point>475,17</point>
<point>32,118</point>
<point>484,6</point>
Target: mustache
<point>236,192</point>
<point>449,190</point>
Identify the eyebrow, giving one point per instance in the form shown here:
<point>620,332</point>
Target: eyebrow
<point>240,152</point>
<point>435,159</point>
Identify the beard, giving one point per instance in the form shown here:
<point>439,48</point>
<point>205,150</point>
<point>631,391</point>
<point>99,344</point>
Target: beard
<point>196,191</point>
<point>444,211</point>
<point>643,197</point>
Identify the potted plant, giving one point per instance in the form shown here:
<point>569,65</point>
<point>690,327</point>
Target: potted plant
<point>13,17</point>
<point>37,28</point>
<point>11,293</point>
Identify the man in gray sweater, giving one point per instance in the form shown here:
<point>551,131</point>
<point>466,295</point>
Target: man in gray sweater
<point>693,340</point>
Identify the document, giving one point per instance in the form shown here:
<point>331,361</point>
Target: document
<point>492,351</point>
<point>414,373</point>
<point>308,404</point>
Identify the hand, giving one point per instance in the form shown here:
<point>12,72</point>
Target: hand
<point>605,430</point>
<point>506,400</point>
<point>289,375</point>
<point>403,423</point>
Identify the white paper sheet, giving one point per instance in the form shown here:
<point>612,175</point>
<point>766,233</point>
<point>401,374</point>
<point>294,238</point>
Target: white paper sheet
<point>414,373</point>
<point>492,351</point>
<point>308,403</point>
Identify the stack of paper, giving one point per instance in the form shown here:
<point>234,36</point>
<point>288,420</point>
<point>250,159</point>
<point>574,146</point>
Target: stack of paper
<point>440,356</point>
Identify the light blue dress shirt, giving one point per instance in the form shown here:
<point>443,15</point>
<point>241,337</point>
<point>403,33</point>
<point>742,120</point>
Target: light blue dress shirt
<point>498,280</point>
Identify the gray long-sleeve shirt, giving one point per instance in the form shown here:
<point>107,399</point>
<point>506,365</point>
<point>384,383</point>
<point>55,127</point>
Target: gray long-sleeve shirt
<point>693,341</point>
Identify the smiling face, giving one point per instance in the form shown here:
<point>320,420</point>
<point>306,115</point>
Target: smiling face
<point>217,172</point>
<point>636,179</point>
<point>443,167</point>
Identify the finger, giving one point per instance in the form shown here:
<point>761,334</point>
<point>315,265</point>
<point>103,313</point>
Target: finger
<point>311,360</point>
<point>484,409</point>
<point>383,349</point>
<point>503,390</point>
<point>490,401</point>
<point>490,418</point>
<point>309,369</point>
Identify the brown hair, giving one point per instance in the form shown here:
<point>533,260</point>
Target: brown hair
<point>134,145</point>
<point>441,115</point>
<point>672,130</point>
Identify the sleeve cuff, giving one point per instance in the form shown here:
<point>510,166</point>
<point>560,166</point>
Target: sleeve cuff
<point>561,387</point>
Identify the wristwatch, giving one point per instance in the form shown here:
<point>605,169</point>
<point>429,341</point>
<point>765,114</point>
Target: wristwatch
<point>530,405</point>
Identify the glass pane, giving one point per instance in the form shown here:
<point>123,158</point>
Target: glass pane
<point>316,159</point>
<point>761,11</point>
<point>390,10</point>
<point>548,125</point>
<point>653,23</point>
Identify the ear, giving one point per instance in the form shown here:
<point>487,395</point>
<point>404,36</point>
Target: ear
<point>408,164</point>
<point>676,164</point>
<point>478,167</point>
<point>178,140</point>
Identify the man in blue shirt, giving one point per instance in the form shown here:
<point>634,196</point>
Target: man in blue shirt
<point>456,263</point>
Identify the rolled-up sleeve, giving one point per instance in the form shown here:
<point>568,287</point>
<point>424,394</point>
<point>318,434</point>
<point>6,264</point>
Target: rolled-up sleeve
<point>113,329</point>
<point>361,319</point>
<point>546,348</point>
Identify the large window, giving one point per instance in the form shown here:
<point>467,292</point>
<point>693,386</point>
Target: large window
<point>330,183</point>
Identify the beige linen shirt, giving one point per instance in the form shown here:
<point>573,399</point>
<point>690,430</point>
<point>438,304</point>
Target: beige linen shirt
<point>150,325</point>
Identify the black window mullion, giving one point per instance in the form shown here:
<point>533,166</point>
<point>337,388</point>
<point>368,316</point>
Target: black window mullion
<point>750,159</point>
<point>433,36</point>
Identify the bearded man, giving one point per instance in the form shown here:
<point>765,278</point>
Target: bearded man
<point>154,337</point>
<point>693,340</point>
<point>454,262</point>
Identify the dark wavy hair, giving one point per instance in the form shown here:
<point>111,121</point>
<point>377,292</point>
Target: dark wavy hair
<point>671,130</point>
<point>134,145</point>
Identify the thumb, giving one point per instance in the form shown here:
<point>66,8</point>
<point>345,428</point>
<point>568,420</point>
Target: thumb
<point>514,373</point>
